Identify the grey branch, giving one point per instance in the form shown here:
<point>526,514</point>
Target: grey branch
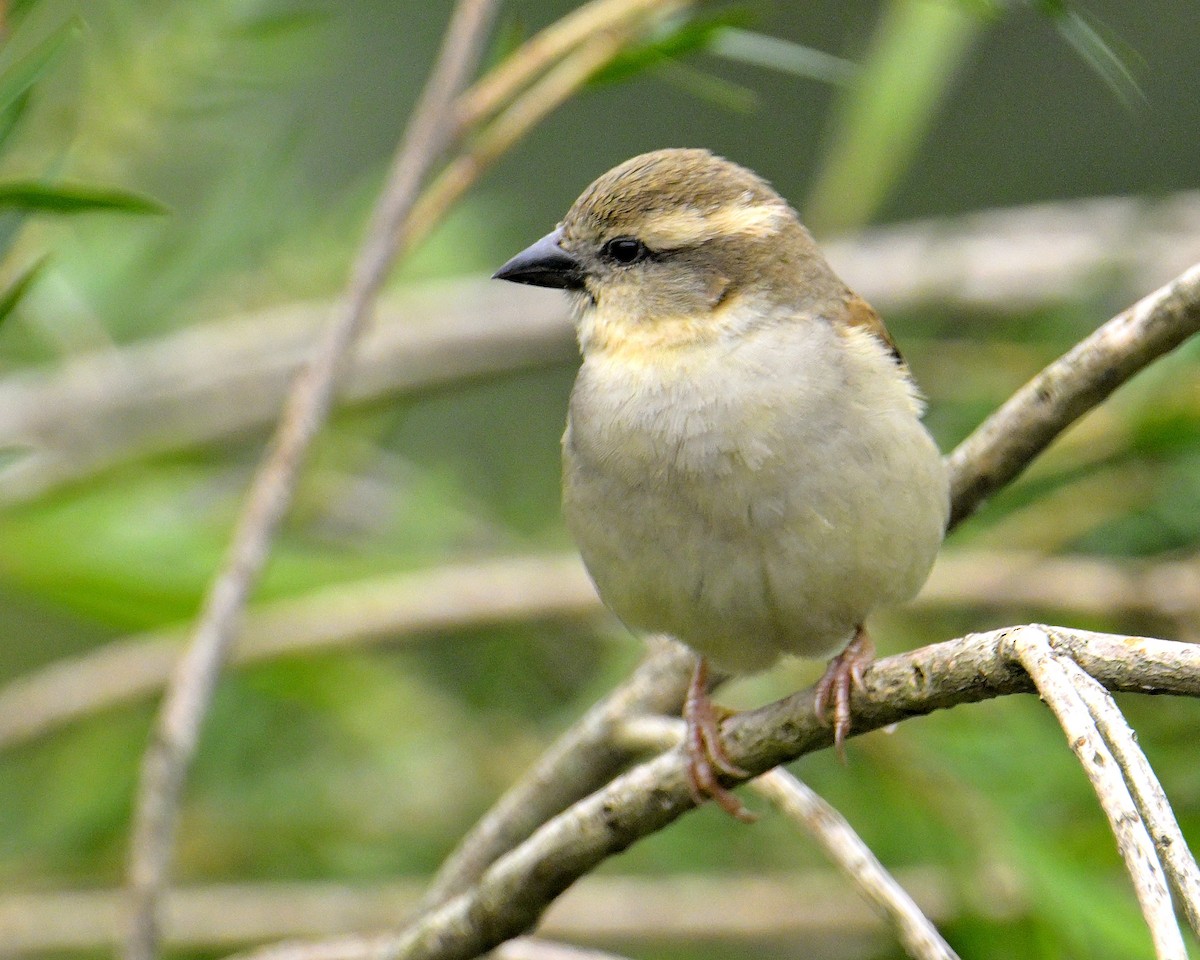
<point>1015,434</point>
<point>1144,789</point>
<point>1054,675</point>
<point>96,410</point>
<point>583,759</point>
<point>511,895</point>
<point>757,908</point>
<point>832,832</point>
<point>392,609</point>
<point>226,378</point>
<point>189,693</point>
<point>399,608</point>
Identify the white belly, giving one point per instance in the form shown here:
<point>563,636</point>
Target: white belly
<point>756,502</point>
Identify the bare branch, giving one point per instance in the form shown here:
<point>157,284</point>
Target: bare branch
<point>609,37</point>
<point>1094,585</point>
<point>582,760</point>
<point>833,833</point>
<point>917,935</point>
<point>760,907</point>
<point>1024,257</point>
<point>1010,438</point>
<point>513,892</point>
<point>397,608</point>
<point>176,732</point>
<point>98,409</point>
<point>1049,672</point>
<point>1147,793</point>
<point>371,611</point>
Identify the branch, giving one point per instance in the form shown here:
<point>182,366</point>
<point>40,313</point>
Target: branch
<point>405,606</point>
<point>456,596</point>
<point>583,759</point>
<point>186,703</point>
<point>1014,435</point>
<point>1169,842</point>
<point>510,896</point>
<point>756,908</point>
<point>1055,682</point>
<point>99,409</point>
<point>799,802</point>
<point>846,848</point>
<point>1090,716</point>
<point>1025,257</point>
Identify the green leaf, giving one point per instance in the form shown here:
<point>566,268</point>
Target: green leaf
<point>273,26</point>
<point>775,53</point>
<point>1100,56</point>
<point>18,288</point>
<point>708,87</point>
<point>677,38</point>
<point>11,116</point>
<point>19,76</point>
<point>32,196</point>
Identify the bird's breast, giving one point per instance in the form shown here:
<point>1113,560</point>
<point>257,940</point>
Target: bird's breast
<point>755,500</point>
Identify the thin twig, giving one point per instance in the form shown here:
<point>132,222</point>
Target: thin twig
<point>1177,860</point>
<point>830,829</point>
<point>549,92</point>
<point>1033,649</point>
<point>757,907</point>
<point>390,609</point>
<point>98,409</point>
<point>832,832</point>
<point>176,732</point>
<point>399,608</point>
<point>997,452</point>
<point>510,896</point>
<point>582,760</point>
<point>542,51</point>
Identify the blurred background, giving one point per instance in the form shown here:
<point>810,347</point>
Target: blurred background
<point>183,185</point>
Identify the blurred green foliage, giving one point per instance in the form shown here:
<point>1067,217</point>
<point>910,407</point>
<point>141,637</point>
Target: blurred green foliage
<point>260,129</point>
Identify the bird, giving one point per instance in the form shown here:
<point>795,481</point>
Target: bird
<point>745,465</point>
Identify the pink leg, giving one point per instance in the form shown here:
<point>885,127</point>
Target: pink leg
<point>706,754</point>
<point>844,673</point>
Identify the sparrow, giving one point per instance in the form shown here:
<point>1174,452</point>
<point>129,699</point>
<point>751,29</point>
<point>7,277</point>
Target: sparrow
<point>744,462</point>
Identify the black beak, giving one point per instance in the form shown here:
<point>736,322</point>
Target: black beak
<point>545,264</point>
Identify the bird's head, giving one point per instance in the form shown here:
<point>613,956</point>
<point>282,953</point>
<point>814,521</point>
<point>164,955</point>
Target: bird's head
<point>673,247</point>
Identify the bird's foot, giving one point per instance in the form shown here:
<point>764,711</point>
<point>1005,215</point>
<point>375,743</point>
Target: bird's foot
<point>706,756</point>
<point>844,673</point>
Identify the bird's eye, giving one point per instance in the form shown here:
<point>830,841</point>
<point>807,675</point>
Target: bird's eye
<point>624,250</point>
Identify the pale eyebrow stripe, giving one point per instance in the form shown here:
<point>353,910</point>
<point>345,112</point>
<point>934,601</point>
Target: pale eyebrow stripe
<point>681,228</point>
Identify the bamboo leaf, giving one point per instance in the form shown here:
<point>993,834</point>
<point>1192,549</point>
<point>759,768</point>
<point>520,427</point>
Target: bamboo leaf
<point>66,198</point>
<point>1100,56</point>
<point>19,76</point>
<point>775,53</point>
<point>18,288</point>
<point>678,38</point>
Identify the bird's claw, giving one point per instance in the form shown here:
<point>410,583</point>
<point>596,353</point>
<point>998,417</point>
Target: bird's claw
<point>706,756</point>
<point>843,675</point>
